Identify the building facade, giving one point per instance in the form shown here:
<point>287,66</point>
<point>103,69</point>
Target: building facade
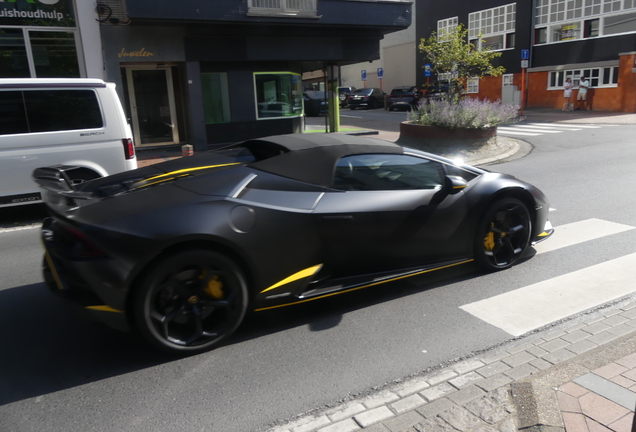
<point>564,39</point>
<point>228,70</point>
<point>49,39</point>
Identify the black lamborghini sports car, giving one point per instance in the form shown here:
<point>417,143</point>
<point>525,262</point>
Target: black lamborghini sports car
<point>181,250</point>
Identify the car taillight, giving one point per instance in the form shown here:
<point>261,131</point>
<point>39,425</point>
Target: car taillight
<point>80,246</point>
<point>129,148</point>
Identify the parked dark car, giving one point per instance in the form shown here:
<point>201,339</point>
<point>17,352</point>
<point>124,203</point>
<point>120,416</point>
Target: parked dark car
<point>406,97</point>
<point>343,94</point>
<point>181,250</point>
<point>366,98</point>
<point>436,91</point>
<point>315,103</point>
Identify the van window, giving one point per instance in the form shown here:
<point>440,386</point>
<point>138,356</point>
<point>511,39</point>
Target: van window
<point>48,111</point>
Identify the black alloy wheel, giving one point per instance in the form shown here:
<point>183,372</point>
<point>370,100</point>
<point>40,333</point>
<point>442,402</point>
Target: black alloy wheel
<point>503,234</point>
<point>190,301</point>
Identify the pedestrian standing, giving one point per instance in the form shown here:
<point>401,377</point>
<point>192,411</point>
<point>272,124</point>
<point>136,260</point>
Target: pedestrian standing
<point>567,94</point>
<point>584,85</point>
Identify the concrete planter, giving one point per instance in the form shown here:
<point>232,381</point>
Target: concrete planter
<point>461,143</point>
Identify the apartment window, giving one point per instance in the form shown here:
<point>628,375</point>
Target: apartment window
<point>565,20</point>
<point>472,86</point>
<point>289,8</point>
<point>278,94</point>
<point>446,26</point>
<point>598,77</point>
<point>216,98</point>
<point>494,28</point>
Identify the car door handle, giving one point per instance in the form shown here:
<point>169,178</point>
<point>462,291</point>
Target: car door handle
<point>338,219</point>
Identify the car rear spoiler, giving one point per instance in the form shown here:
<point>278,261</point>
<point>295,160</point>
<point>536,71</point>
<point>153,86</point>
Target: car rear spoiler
<point>56,179</point>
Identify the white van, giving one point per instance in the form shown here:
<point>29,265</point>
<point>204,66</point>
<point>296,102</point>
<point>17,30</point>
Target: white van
<point>45,122</point>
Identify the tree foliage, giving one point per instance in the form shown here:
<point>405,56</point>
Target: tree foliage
<point>450,52</point>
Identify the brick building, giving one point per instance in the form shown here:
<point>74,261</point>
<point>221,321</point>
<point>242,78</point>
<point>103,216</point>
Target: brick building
<point>565,39</point>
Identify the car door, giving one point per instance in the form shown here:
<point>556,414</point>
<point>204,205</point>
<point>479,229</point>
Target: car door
<point>385,212</point>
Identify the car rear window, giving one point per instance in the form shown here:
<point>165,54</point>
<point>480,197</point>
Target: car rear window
<point>363,91</point>
<point>401,91</point>
<point>48,111</point>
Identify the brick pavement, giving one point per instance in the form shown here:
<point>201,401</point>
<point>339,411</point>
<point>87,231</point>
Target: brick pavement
<point>587,366</point>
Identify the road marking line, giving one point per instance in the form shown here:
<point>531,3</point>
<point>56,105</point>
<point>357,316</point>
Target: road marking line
<point>513,132</point>
<point>531,125</point>
<point>532,129</point>
<point>566,125</point>
<point>579,232</point>
<point>525,309</point>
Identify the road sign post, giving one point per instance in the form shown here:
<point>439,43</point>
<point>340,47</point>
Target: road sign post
<point>380,76</point>
<point>525,60</point>
<point>363,73</point>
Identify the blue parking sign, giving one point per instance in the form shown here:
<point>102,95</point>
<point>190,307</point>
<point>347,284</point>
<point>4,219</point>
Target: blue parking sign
<point>380,72</point>
<point>525,54</point>
<point>364,75</point>
<point>427,70</point>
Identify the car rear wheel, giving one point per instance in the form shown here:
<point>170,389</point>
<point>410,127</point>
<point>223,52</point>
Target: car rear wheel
<point>190,302</point>
<point>503,234</point>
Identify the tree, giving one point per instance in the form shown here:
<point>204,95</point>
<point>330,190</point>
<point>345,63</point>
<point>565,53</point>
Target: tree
<point>450,53</point>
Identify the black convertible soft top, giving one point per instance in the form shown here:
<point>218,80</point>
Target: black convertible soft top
<point>311,158</point>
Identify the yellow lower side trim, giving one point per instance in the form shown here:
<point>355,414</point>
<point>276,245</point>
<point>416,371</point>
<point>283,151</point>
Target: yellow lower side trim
<point>56,277</point>
<point>103,308</point>
<point>364,286</point>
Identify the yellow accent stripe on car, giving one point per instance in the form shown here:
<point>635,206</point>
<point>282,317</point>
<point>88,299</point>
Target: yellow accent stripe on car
<point>56,277</point>
<point>543,234</point>
<point>364,286</point>
<point>459,187</point>
<point>188,170</point>
<point>103,308</point>
<point>296,276</point>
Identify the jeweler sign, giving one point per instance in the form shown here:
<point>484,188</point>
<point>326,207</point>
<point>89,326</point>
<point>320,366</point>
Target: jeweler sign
<point>58,13</point>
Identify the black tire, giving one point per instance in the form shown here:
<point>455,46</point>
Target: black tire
<point>189,302</point>
<point>503,234</point>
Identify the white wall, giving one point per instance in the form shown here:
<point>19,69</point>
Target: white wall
<point>90,39</point>
<point>398,52</point>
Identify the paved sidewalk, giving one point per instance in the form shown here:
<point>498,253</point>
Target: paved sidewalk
<point>577,376</point>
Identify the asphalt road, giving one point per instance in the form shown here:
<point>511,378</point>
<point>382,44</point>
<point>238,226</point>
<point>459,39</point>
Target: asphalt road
<point>58,373</point>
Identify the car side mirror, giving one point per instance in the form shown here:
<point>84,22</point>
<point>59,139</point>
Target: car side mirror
<point>454,184</point>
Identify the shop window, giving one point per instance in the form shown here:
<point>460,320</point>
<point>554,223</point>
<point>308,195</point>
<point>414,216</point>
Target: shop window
<point>216,98</point>
<point>591,28</point>
<point>610,75</point>
<point>473,85</point>
<point>619,24</point>
<point>278,94</point>
<point>13,54</point>
<point>598,77</point>
<point>54,54</point>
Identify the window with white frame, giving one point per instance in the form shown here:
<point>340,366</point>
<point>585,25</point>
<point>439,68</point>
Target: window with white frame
<point>291,8</point>
<point>494,28</point>
<point>598,77</point>
<point>446,26</point>
<point>472,85</point>
<point>565,20</point>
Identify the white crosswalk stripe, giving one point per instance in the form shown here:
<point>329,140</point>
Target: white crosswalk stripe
<point>536,129</point>
<point>528,308</point>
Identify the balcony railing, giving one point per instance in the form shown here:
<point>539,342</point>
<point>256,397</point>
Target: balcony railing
<point>291,8</point>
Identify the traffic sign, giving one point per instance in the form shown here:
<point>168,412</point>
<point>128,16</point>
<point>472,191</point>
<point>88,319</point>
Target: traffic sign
<point>427,70</point>
<point>380,72</point>
<point>524,64</point>
<point>525,54</point>
<point>364,75</point>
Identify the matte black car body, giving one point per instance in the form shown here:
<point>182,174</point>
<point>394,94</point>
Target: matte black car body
<point>366,98</point>
<point>406,97</point>
<point>268,223</point>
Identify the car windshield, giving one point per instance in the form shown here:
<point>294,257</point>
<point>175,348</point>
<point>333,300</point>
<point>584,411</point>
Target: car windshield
<point>402,91</point>
<point>363,91</point>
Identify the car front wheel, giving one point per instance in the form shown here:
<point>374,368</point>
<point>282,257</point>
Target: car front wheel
<point>503,234</point>
<point>190,302</point>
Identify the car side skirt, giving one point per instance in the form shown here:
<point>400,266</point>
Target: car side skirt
<point>335,287</point>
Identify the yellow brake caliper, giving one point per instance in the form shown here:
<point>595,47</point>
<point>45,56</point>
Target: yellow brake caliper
<point>215,288</point>
<point>489,241</point>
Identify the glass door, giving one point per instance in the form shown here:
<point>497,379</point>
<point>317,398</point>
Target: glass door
<point>152,104</point>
